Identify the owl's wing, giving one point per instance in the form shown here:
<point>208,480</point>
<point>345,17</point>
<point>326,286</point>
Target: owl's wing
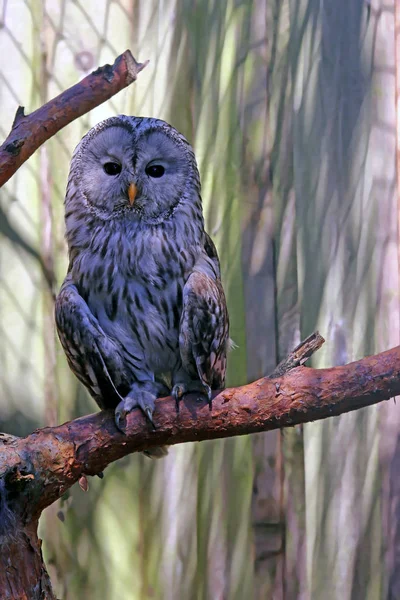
<point>204,326</point>
<point>92,356</point>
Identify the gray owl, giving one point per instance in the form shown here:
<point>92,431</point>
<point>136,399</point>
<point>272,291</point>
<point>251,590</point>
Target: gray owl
<point>142,312</point>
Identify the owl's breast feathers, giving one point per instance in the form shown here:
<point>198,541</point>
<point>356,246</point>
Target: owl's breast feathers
<point>132,279</point>
<point>141,309</point>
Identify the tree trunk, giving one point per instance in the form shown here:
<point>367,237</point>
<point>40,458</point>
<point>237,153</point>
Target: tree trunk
<point>23,574</point>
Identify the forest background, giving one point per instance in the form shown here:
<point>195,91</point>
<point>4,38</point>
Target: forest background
<point>290,107</point>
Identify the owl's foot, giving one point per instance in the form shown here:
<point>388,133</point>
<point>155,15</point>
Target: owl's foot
<point>186,387</point>
<point>144,400</point>
<point>143,396</point>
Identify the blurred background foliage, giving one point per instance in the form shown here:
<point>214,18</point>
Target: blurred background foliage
<point>290,107</point>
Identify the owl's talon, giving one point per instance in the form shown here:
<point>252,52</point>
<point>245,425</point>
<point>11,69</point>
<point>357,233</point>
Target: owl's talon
<point>209,395</point>
<point>178,392</point>
<point>118,417</point>
<point>149,415</point>
<point>180,389</point>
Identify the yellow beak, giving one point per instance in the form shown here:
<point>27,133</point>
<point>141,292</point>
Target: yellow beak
<point>132,191</point>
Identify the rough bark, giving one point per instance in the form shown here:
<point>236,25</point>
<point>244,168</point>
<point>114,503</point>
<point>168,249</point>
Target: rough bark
<point>23,575</point>
<point>28,132</point>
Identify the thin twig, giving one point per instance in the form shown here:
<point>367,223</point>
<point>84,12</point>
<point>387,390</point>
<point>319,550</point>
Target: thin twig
<point>299,355</point>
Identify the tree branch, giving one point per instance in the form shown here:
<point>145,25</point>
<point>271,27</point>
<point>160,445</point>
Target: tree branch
<point>31,131</point>
<point>42,466</point>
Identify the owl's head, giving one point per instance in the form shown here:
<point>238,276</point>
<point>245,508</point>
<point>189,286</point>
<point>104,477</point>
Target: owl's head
<point>139,168</point>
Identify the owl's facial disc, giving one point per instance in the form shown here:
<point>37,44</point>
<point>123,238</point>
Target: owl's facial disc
<point>143,176</point>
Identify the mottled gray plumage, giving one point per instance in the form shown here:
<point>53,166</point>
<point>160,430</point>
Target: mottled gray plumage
<point>142,310</point>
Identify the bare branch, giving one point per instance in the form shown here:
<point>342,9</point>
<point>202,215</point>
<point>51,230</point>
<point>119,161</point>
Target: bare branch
<point>45,464</point>
<point>31,131</point>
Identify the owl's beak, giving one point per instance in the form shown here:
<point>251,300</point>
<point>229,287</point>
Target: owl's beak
<point>132,191</point>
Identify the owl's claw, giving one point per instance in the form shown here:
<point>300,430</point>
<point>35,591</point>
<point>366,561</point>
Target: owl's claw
<point>149,413</point>
<point>180,389</point>
<point>137,398</point>
<point>178,392</point>
<point>118,417</point>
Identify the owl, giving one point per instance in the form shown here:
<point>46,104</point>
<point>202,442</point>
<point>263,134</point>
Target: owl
<point>142,312</point>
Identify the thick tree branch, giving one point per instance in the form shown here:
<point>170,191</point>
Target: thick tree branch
<point>42,466</point>
<point>31,131</point>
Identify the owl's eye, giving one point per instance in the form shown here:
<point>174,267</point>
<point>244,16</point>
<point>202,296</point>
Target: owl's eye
<point>155,171</point>
<point>112,168</point>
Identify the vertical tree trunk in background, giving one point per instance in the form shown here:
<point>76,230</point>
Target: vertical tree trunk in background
<point>283,68</point>
<point>259,268</point>
<point>259,293</point>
